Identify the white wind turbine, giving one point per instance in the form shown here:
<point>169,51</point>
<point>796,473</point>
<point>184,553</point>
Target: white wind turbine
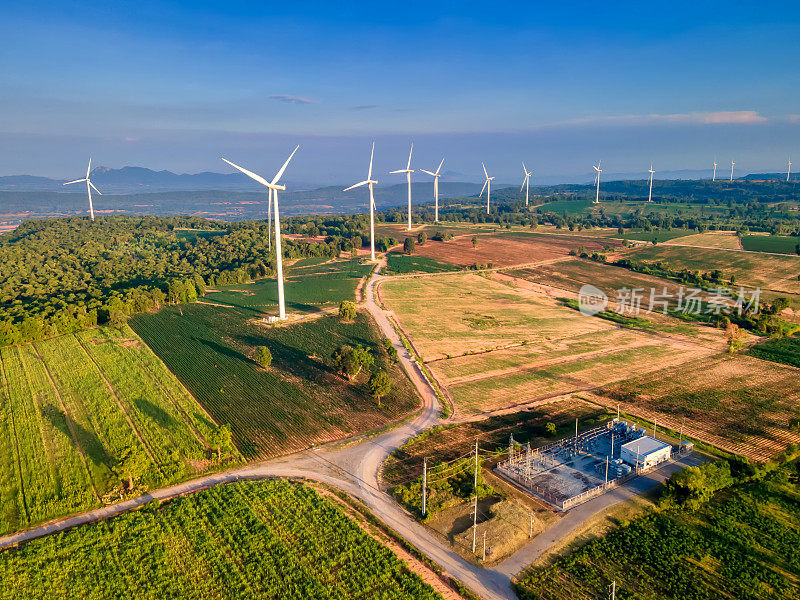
<point>435,189</point>
<point>408,171</point>
<point>714,176</point>
<point>369,182</point>
<point>652,172</point>
<point>526,182</point>
<point>597,181</point>
<point>732,163</point>
<point>789,170</point>
<point>89,187</point>
<point>273,188</point>
<point>487,185</point>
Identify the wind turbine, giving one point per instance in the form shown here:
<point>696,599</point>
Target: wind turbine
<point>714,176</point>
<point>487,185</point>
<point>732,163</point>
<point>408,171</point>
<point>273,188</point>
<point>651,171</point>
<point>789,170</point>
<point>369,182</point>
<point>435,188</point>
<point>526,182</point>
<point>89,186</point>
<point>597,181</point>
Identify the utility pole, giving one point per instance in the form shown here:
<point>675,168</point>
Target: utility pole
<point>474,523</point>
<point>530,535</point>
<point>606,471</point>
<point>680,439</point>
<point>637,457</point>
<point>576,435</point>
<point>612,590</point>
<point>655,428</point>
<point>475,485</point>
<point>424,484</point>
<point>617,411</point>
<point>484,546</point>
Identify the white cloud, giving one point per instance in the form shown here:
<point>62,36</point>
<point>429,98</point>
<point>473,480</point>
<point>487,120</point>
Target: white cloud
<point>291,99</point>
<point>737,117</point>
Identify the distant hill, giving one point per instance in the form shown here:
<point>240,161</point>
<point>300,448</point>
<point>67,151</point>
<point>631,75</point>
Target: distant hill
<point>771,176</point>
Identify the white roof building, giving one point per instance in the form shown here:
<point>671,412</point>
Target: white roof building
<point>647,450</point>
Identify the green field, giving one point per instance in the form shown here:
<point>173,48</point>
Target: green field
<point>299,400</point>
<point>71,406</point>
<point>570,207</point>
<point>309,285</point>
<point>780,244</point>
<point>266,539</point>
<point>742,544</point>
<point>781,350</point>
<point>398,264</point>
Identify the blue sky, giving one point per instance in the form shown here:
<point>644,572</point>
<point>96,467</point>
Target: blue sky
<point>173,85</point>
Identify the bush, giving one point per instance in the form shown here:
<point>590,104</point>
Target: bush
<point>550,429</point>
<point>408,245</point>
<point>380,384</point>
<point>347,310</point>
<point>263,356</point>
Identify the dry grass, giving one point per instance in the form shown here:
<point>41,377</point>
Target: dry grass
<point>710,239</point>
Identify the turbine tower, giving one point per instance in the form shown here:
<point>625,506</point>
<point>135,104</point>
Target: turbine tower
<point>789,170</point>
<point>487,185</point>
<point>435,188</point>
<point>408,171</point>
<point>273,188</point>
<point>651,171</point>
<point>526,182</point>
<point>89,187</point>
<point>714,176</point>
<point>732,163</point>
<point>597,181</point>
<point>369,182</point>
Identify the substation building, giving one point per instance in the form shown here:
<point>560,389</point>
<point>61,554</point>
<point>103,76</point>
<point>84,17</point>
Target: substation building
<point>645,452</point>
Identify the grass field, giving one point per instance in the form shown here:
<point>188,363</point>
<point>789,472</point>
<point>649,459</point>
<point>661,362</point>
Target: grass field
<point>571,207</point>
<point>266,539</point>
<point>69,409</point>
<point>758,270</point>
<point>299,400</point>
<point>309,285</point>
<point>742,544</point>
<point>781,350</point>
<point>710,239</point>
<point>659,235</point>
<point>780,244</point>
<point>738,403</point>
<point>398,264</point>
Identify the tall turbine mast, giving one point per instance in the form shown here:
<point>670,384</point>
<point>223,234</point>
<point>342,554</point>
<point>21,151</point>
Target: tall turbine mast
<point>789,170</point>
<point>714,176</point>
<point>435,188</point>
<point>487,185</point>
<point>89,187</point>
<point>732,163</point>
<point>526,182</point>
<point>650,197</point>
<point>273,187</point>
<point>597,181</point>
<point>369,182</point>
<point>408,171</point>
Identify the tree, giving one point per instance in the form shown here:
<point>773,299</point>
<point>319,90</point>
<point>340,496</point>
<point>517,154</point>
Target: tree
<point>474,241</point>
<point>219,440</point>
<point>550,429</point>
<point>408,245</point>
<point>347,310</point>
<point>131,464</point>
<point>422,237</point>
<point>350,361</point>
<point>390,349</point>
<point>380,384</point>
<point>263,356</point>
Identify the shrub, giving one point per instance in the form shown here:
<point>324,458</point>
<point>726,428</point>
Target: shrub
<point>263,356</point>
<point>347,310</point>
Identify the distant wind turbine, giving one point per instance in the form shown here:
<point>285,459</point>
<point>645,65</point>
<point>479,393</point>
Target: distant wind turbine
<point>408,171</point>
<point>89,187</point>
<point>369,182</point>
<point>651,171</point>
<point>435,176</point>
<point>273,188</point>
<point>526,182</point>
<point>789,170</point>
<point>732,163</point>
<point>487,185</point>
<point>597,181</point>
<point>714,176</point>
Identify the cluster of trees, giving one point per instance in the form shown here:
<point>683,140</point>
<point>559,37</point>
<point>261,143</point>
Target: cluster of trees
<point>350,361</point>
<point>64,275</point>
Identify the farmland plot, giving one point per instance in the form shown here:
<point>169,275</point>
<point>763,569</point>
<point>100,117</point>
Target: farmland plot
<point>268,539</point>
<point>71,406</point>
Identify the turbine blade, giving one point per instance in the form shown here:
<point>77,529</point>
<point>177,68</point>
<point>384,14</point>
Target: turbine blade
<point>440,166</point>
<point>523,167</point>
<point>76,181</point>
<point>89,168</point>
<point>428,172</point>
<point>250,174</point>
<point>409,156</point>
<point>485,183</point>
<point>286,164</point>
<point>398,171</point>
<point>372,154</point>
<point>359,184</point>
<point>484,170</point>
<point>94,188</point>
